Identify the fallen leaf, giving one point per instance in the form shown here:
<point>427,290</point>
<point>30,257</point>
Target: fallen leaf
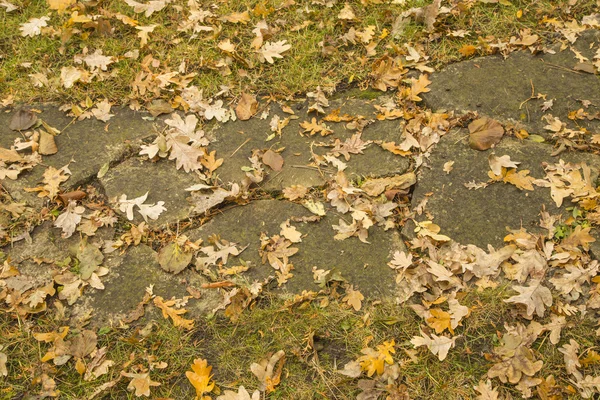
<point>484,133</point>
<point>242,394</point>
<point>173,258</point>
<point>273,160</point>
<point>175,314</point>
<point>200,377</point>
<point>47,144</point>
<point>140,383</point>
<point>271,50</point>
<point>3,369</point>
<point>265,371</point>
<point>34,26</point>
<point>486,391</point>
<point>354,298</point>
<point>535,297</point>
<point>438,345</point>
<point>246,107</point>
<point>22,119</point>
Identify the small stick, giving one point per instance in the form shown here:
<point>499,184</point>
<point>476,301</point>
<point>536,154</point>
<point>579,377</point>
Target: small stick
<point>240,146</point>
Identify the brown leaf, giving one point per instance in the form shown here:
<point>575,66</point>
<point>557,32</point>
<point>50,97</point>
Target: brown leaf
<point>484,133</point>
<point>10,156</point>
<point>47,144</point>
<point>75,195</point>
<point>247,107</point>
<point>22,119</point>
<point>83,344</point>
<point>273,160</point>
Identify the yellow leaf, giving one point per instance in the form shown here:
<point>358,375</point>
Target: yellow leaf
<point>467,50</point>
<point>353,298</point>
<point>60,5</point>
<point>200,377</point>
<point>80,366</point>
<point>440,320</point>
<point>375,360</point>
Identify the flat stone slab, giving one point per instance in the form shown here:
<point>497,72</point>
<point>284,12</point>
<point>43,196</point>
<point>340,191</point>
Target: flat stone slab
<point>481,216</point>
<point>499,87</point>
<point>125,285</point>
<point>85,145</point>
<point>161,180</point>
<point>234,141</point>
<point>363,265</point>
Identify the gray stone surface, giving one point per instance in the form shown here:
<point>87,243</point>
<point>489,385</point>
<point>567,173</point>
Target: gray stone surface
<point>496,87</point>
<point>136,176</point>
<point>125,285</point>
<point>89,144</point>
<point>363,265</point>
<point>228,138</point>
<point>481,216</point>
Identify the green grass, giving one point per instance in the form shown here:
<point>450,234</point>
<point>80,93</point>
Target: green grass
<point>303,67</point>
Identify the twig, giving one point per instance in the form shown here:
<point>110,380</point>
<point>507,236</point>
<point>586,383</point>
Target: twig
<point>239,147</point>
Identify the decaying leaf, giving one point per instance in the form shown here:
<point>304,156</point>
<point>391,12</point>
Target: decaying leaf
<point>535,297</point>
<point>174,258</point>
<point>484,133</point>
<point>22,119</point>
<point>246,107</point>
<point>268,376</point>
<point>273,160</point>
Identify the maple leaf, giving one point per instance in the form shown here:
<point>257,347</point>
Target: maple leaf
<point>438,345</point>
<point>535,297</point>
<point>295,192</point>
<point>200,377</point>
<point>497,163</point>
<point>570,283</point>
<point>439,320</point>
<point>271,50</point>
<point>210,162</point>
<point>352,145</point>
<point>175,314</point>
<point>70,75</point>
<point>185,156</point>
<point>52,179</point>
<point>486,391</point>
<point>265,371</point>
<point>97,60</point>
<point>290,232</point>
<point>418,86</point>
<point>579,237</point>
<point>34,26</point>
<point>353,297</point>
<point>374,360</point>
<point>387,73</point>
<point>102,111</point>
<point>69,220</point>
<point>141,383</point>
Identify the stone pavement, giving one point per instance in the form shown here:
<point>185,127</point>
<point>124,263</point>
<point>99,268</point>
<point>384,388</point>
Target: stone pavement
<point>492,86</point>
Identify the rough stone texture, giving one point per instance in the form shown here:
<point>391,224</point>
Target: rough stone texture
<point>481,216</point>
<point>130,275</point>
<point>228,138</point>
<point>364,265</point>
<point>89,143</point>
<point>135,176</point>
<point>497,87</point>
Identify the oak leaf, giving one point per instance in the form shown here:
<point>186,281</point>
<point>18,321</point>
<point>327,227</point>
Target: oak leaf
<point>34,26</point>
<point>265,371</point>
<point>175,314</point>
<point>438,345</point>
<point>200,377</point>
<point>535,297</point>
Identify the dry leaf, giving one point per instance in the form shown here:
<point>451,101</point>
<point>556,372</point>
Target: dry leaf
<point>3,369</point>
<point>246,107</point>
<point>173,258</point>
<point>273,160</point>
<point>141,383</point>
<point>22,119</point>
<point>354,298</point>
<point>271,50</point>
<point>47,144</point>
<point>536,297</point>
<point>487,392</point>
<point>175,314</point>
<point>265,371</point>
<point>484,133</point>
<point>438,345</point>
<point>200,377</point>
